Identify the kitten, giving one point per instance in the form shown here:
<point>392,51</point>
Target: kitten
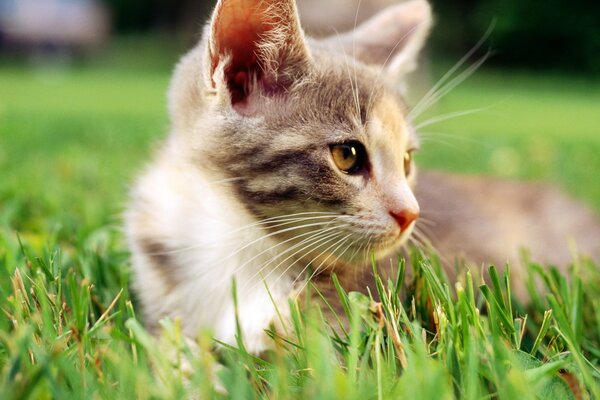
<point>288,154</point>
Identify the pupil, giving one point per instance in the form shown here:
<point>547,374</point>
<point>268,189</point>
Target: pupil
<point>348,151</point>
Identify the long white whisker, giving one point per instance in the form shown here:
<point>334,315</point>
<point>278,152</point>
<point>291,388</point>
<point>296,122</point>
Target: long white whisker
<point>352,87</point>
<point>315,271</point>
<point>313,246</point>
<point>460,78</point>
<point>279,221</point>
<point>315,236</point>
<point>321,241</point>
<point>332,252</point>
<point>340,243</point>
<point>439,137</point>
<point>368,251</point>
<point>454,68</point>
<point>383,66</point>
<point>357,96</point>
<point>312,240</point>
<point>357,249</point>
<point>415,242</point>
<point>278,232</point>
<point>429,246</point>
<point>426,221</point>
<point>446,117</point>
<point>286,218</point>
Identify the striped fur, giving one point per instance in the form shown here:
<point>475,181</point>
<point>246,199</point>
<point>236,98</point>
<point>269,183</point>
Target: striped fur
<point>245,187</point>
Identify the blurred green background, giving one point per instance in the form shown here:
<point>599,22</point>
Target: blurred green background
<point>75,127</point>
<point>541,34</point>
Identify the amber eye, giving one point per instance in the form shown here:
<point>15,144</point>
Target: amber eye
<point>407,162</point>
<point>349,157</point>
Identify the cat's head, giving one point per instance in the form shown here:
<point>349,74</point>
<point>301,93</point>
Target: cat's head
<point>312,136</point>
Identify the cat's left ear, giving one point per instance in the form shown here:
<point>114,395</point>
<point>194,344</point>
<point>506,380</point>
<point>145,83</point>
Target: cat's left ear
<point>393,38</point>
<point>255,46</point>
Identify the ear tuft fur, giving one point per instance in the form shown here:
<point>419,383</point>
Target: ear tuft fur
<point>393,38</point>
<point>255,44</point>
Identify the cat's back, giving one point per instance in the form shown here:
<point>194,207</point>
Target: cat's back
<point>490,220</point>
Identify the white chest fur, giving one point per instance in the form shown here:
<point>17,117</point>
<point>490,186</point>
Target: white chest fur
<point>205,242</point>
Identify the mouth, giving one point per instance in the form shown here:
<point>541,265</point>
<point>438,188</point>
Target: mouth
<point>380,246</point>
<point>394,242</point>
<point>358,250</point>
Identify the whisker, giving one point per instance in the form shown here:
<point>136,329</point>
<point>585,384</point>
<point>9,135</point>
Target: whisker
<point>457,114</point>
<point>318,269</point>
<point>433,135</point>
<point>316,237</point>
<point>426,221</point>
<point>266,221</point>
<point>339,243</point>
<point>311,235</point>
<point>439,84</point>
<point>311,240</point>
<point>384,65</point>
<point>288,222</point>
<point>333,251</point>
<point>323,241</point>
<point>356,94</point>
<point>352,87</point>
<point>429,246</point>
<point>446,117</point>
<point>286,217</point>
<point>310,263</point>
<point>422,244</point>
<point>368,251</point>
<point>437,96</point>
<point>430,212</point>
<point>413,241</point>
<point>358,249</point>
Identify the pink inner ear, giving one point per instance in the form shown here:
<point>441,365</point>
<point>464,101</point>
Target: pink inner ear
<point>238,29</point>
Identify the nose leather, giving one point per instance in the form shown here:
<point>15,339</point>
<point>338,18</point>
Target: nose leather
<point>404,218</point>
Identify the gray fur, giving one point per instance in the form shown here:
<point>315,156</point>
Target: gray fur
<point>241,156</point>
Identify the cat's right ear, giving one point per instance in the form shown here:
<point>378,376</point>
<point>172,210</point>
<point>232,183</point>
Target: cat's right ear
<point>255,47</point>
<point>393,38</point>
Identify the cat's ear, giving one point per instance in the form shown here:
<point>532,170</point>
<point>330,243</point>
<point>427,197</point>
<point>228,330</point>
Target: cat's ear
<point>392,38</point>
<point>254,45</point>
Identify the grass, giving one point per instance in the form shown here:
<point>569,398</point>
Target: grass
<point>71,140</point>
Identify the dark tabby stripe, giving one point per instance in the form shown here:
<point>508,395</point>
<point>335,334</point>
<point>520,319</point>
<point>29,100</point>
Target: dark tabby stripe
<point>161,260</point>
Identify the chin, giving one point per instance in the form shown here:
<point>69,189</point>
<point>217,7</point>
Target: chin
<point>381,247</point>
<point>393,244</point>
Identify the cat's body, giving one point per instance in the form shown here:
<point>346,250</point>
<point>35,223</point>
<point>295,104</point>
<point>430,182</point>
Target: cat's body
<point>484,221</point>
<point>287,153</point>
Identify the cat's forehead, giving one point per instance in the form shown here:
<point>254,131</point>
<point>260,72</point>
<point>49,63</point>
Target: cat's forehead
<point>387,120</point>
<point>354,101</point>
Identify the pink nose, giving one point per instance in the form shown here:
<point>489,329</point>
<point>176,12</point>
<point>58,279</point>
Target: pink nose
<point>404,218</point>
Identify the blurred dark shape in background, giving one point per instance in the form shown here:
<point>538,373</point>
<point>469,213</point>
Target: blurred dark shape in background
<point>53,25</point>
<point>172,16</point>
<point>535,34</point>
<point>540,34</point>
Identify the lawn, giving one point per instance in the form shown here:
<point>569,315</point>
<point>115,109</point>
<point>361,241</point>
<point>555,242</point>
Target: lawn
<point>72,139</point>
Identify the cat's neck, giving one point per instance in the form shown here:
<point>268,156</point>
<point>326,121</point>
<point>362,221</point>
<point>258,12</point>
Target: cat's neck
<point>206,242</point>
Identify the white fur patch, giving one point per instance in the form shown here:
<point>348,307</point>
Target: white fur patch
<point>177,205</point>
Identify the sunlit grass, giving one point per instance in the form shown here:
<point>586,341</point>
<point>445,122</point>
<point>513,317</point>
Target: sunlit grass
<point>72,139</point>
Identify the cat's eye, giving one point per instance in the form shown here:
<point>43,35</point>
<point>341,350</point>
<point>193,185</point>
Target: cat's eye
<point>350,157</point>
<point>407,162</point>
